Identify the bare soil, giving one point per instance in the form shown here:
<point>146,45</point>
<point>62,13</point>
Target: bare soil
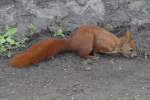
<point>69,77</point>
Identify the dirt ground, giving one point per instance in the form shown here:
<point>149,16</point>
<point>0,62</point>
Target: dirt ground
<point>68,77</point>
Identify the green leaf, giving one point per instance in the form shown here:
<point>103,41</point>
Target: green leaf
<point>2,49</point>
<point>59,33</point>
<point>1,36</point>
<point>10,31</point>
<point>2,40</point>
<point>18,44</point>
<point>32,29</point>
<point>6,27</point>
<point>8,43</point>
<point>9,40</point>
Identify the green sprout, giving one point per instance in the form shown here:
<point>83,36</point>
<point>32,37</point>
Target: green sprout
<point>7,42</point>
<point>59,32</point>
<point>32,29</point>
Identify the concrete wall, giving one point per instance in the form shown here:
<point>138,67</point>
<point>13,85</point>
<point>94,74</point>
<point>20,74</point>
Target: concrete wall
<point>71,13</point>
<point>74,12</point>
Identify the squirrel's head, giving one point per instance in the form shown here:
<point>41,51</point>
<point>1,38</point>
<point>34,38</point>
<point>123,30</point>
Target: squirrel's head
<point>128,45</point>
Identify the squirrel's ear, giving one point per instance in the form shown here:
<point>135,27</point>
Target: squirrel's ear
<point>129,35</point>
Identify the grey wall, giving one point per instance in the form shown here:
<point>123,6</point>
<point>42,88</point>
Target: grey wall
<point>71,13</point>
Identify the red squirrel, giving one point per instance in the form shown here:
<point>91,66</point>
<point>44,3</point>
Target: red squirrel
<point>84,40</point>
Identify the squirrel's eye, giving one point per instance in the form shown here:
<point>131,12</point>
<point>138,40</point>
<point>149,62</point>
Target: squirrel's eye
<point>131,49</point>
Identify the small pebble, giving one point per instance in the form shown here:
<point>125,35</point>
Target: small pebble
<point>112,61</point>
<point>72,98</point>
<point>143,88</point>
<point>88,68</point>
<point>120,68</point>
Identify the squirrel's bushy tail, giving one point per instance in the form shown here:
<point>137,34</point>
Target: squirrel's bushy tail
<point>40,51</point>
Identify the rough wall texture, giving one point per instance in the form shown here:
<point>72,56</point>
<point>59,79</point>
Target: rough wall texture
<point>71,13</point>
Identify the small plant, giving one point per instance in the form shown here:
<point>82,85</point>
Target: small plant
<point>7,42</point>
<point>59,32</point>
<point>32,29</point>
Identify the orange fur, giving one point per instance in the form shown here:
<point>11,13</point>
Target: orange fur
<point>45,49</point>
<point>84,40</point>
